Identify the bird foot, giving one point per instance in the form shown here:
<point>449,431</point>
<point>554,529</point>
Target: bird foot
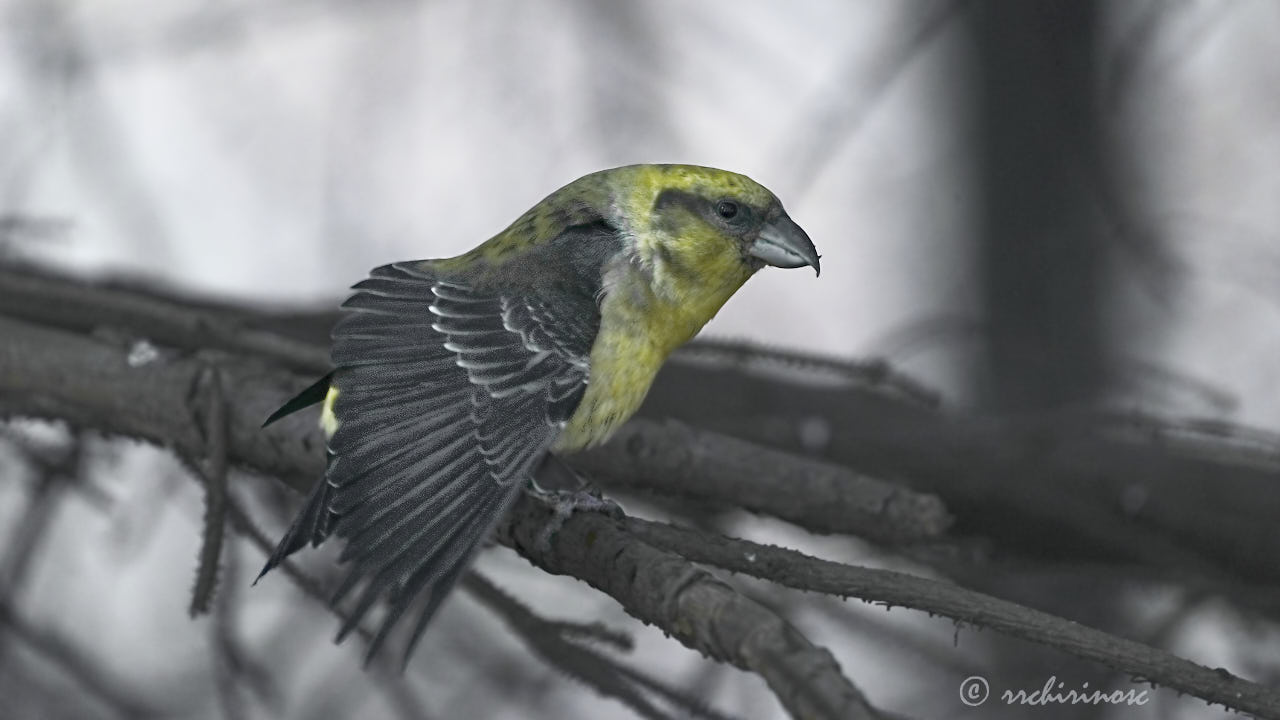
<point>565,503</point>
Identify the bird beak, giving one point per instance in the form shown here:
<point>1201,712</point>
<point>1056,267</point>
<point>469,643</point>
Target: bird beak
<point>781,243</point>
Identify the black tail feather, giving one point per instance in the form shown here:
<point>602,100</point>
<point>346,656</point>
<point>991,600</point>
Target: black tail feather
<point>311,526</point>
<point>314,394</point>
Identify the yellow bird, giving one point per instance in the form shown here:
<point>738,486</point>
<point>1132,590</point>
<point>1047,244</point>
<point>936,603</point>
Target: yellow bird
<point>455,377</point>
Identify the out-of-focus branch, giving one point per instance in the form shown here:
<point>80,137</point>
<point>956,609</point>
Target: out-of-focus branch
<point>399,694</point>
<point>803,572</point>
<point>95,384</point>
<point>91,384</point>
<point>674,458</point>
<point>54,301</point>
<point>234,669</point>
<point>23,541</point>
<point>62,653</point>
<point>728,470</point>
<point>595,669</point>
<point>1217,506</point>
<point>1220,507</point>
<point>298,340</point>
<point>15,229</point>
<point>875,373</point>
<point>830,124</point>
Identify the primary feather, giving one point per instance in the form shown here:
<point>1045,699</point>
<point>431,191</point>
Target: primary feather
<point>454,377</point>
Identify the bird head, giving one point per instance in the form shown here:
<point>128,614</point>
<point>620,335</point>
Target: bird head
<point>690,219</point>
<point>698,233</point>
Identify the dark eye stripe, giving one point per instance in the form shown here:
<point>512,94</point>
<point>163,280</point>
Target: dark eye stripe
<point>709,209</point>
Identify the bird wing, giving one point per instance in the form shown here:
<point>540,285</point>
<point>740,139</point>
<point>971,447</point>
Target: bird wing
<point>447,397</point>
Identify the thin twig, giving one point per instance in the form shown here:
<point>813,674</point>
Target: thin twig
<point>28,534</point>
<point>229,669</point>
<point>399,694</point>
<point>212,467</point>
<point>589,667</point>
<point>61,652</point>
<point>829,125</point>
<point>875,374</point>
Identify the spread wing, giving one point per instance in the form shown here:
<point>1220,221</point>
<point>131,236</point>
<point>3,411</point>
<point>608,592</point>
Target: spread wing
<point>448,396</point>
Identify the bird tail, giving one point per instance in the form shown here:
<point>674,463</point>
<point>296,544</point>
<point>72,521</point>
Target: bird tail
<point>310,526</point>
<point>312,395</point>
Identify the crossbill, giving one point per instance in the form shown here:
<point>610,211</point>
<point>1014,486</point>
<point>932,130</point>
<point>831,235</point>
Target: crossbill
<point>455,377</point>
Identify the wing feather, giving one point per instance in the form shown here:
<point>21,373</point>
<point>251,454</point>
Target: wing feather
<point>411,422</point>
<point>448,394</point>
<point>404,482</point>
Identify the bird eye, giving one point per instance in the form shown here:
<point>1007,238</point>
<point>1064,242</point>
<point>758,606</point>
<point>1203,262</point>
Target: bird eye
<point>727,209</point>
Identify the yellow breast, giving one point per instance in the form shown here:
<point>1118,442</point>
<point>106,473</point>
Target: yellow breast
<point>639,328</point>
<point>622,369</point>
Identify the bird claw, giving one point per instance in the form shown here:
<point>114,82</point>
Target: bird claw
<point>563,504</point>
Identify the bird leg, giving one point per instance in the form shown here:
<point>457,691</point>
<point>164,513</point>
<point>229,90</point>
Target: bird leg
<point>565,491</point>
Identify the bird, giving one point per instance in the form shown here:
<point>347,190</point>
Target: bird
<point>454,378</point>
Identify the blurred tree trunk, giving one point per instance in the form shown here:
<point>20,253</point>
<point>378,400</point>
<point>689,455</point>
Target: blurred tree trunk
<point>1039,238</point>
<point>1039,246</point>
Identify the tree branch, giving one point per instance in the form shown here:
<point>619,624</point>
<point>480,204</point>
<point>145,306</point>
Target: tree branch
<point>48,299</point>
<point>821,497</point>
<point>674,458</point>
<point>803,572</point>
<point>1004,477</point>
<point>1215,504</point>
<point>90,383</point>
<point>1180,499</point>
<point>696,608</point>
